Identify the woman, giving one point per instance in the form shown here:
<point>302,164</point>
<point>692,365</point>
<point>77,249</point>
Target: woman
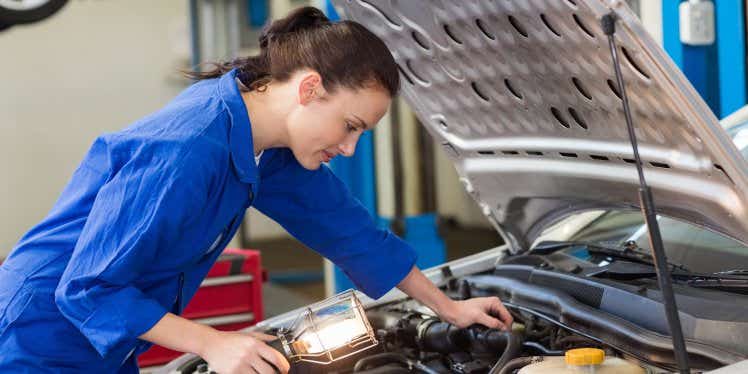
<point>108,271</point>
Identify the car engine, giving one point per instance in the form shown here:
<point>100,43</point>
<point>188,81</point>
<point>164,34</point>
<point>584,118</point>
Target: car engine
<point>412,340</point>
<point>559,302</point>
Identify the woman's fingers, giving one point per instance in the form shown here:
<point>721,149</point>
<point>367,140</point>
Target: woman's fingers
<point>490,322</point>
<point>498,309</point>
<point>275,358</point>
<point>261,366</point>
<point>493,314</point>
<point>261,336</point>
<point>271,355</point>
<point>487,311</point>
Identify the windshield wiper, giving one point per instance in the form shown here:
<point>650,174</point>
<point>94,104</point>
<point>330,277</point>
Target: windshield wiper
<point>629,251</point>
<point>722,284</point>
<point>728,279</point>
<point>733,272</point>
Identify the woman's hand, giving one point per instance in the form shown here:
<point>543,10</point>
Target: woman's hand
<point>240,353</point>
<point>225,352</point>
<point>487,311</point>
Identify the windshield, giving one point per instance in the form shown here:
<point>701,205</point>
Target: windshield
<point>739,135</point>
<point>695,248</point>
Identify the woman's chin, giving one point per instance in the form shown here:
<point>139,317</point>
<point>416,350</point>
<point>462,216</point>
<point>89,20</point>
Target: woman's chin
<point>313,164</point>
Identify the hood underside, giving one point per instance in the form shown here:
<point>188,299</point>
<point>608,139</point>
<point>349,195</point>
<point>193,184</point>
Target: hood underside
<point>522,97</point>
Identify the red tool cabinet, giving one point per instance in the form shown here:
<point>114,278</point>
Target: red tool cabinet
<point>230,298</point>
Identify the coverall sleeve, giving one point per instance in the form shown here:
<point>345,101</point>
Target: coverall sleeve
<point>137,212</point>
<point>319,210</point>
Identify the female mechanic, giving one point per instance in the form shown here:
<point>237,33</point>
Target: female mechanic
<point>150,207</point>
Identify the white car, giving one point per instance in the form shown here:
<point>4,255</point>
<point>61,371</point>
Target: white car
<point>15,12</point>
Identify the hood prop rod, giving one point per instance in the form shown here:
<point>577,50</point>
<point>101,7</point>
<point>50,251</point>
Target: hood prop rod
<point>648,209</point>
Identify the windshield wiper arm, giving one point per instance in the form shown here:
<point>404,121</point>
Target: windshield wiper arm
<point>550,246</point>
<point>720,283</point>
<point>735,280</point>
<point>732,272</point>
<point>630,251</point>
<point>634,255</point>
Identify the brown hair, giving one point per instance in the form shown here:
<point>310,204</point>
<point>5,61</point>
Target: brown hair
<point>343,53</point>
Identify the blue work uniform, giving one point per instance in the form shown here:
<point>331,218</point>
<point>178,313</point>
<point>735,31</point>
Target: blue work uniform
<point>144,217</point>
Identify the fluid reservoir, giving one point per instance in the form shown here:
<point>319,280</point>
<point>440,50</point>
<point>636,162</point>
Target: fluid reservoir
<point>583,360</point>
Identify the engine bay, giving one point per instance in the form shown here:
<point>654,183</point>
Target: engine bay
<point>560,301</point>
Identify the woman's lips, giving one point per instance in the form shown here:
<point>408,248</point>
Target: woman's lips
<point>327,156</point>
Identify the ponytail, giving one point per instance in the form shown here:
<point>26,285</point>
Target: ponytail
<point>343,53</point>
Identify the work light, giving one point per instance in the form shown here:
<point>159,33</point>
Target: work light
<point>328,331</point>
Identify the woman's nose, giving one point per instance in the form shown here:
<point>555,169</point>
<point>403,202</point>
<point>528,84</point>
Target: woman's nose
<point>348,147</point>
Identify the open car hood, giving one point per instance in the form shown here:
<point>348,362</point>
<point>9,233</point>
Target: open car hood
<point>522,97</point>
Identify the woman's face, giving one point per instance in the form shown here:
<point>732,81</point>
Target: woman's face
<point>325,125</point>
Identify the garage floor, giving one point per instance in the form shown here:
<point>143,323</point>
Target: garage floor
<point>289,259</point>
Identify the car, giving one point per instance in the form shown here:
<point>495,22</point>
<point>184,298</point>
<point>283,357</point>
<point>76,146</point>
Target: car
<point>523,98</point>
<point>16,12</point>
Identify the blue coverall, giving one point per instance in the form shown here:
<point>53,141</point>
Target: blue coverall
<point>145,216</point>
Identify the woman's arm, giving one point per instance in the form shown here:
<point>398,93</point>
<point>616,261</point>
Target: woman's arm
<point>225,352</point>
<point>487,311</point>
<point>180,334</point>
<point>319,210</point>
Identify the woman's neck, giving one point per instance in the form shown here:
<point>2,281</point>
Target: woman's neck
<point>267,115</point>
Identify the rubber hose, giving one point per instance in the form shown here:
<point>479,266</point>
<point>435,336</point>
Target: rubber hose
<point>386,369</point>
<point>389,357</point>
<point>380,358</point>
<point>423,368</point>
<point>542,349</point>
<point>519,363</point>
<point>513,346</point>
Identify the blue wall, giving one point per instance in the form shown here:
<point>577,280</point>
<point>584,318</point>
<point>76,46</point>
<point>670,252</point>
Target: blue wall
<point>716,71</point>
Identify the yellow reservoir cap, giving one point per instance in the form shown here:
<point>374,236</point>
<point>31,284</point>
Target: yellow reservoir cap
<point>584,356</point>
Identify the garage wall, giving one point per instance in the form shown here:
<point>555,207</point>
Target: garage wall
<point>97,66</point>
<point>650,13</point>
<point>94,67</point>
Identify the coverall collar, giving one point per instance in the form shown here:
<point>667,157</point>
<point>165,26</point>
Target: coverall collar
<point>240,134</point>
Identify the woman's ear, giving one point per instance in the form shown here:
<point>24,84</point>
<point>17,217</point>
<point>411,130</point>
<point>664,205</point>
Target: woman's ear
<point>310,87</point>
